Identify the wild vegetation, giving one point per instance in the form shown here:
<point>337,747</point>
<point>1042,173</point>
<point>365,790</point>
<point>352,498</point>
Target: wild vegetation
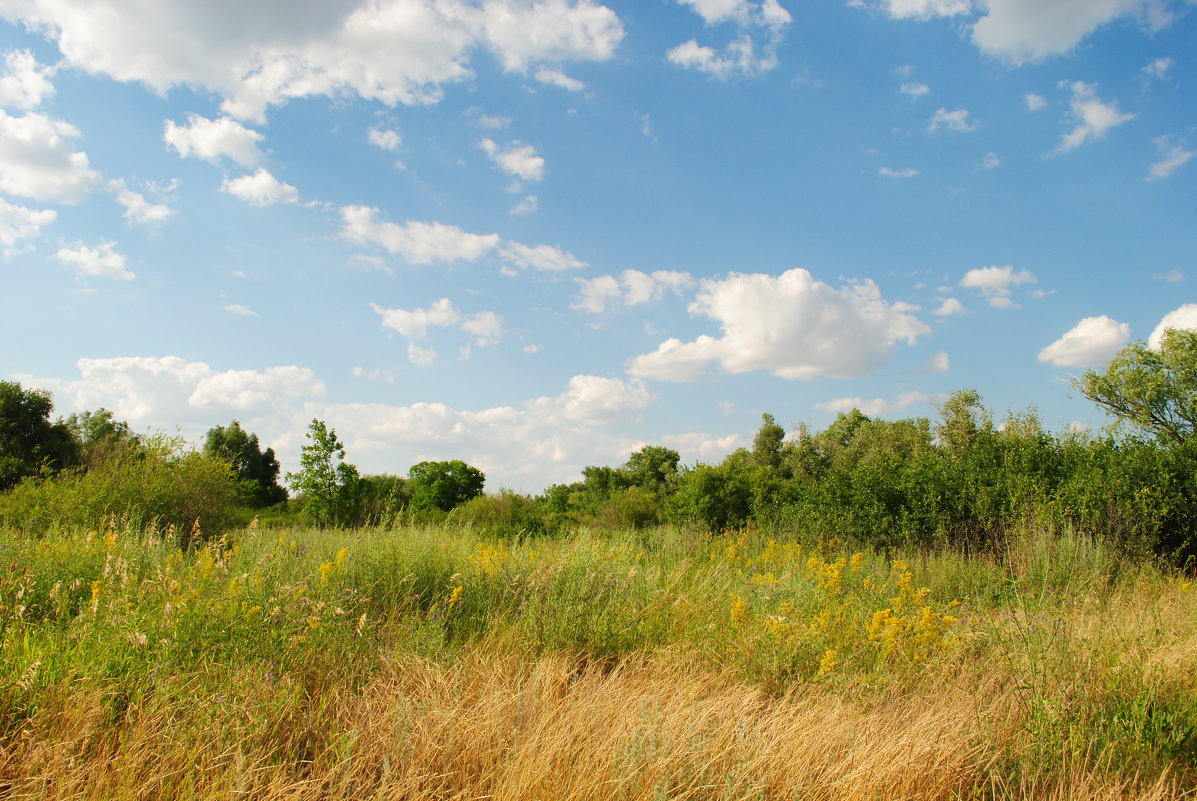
<point>882,609</point>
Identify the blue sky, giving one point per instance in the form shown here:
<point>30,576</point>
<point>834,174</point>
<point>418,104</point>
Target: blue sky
<point>540,235</point>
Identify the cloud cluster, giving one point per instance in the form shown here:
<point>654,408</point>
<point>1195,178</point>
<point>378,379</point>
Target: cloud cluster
<point>39,161</point>
<point>791,325</point>
<point>213,140</point>
<point>486,326</point>
<point>632,288</point>
<point>761,24</point>
<point>1092,341</point>
<point>393,51</point>
<point>20,226</point>
<point>995,284</point>
<point>1093,118</point>
<point>102,261</point>
<point>417,242</point>
<point>516,159</point>
<point>24,83</point>
<point>1020,31</point>
<point>261,189</point>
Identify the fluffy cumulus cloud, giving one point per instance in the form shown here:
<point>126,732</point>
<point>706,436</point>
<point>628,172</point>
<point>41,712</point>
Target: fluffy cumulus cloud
<point>876,407</point>
<point>632,288</point>
<point>915,89</point>
<point>558,78</point>
<point>760,25</point>
<point>1018,31</point>
<point>24,83</point>
<point>138,210</point>
<point>949,307</point>
<point>1094,340</point>
<point>168,391</point>
<point>1093,118</point>
<point>791,325</point>
<point>417,242</point>
<point>393,51</point>
<point>997,283</point>
<point>39,161</point>
<point>487,327</point>
<point>595,400</point>
<point>515,159</point>
<point>102,261</point>
<point>384,138</point>
<point>1172,156</point>
<point>1184,318</point>
<point>261,189</point>
<point>540,257</point>
<point>20,226</point>
<point>414,324</point>
<point>213,140</point>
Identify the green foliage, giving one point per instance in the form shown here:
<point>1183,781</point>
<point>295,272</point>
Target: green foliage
<point>1150,391</point>
<point>326,483</point>
<point>508,515</point>
<point>380,498</point>
<point>443,485</point>
<point>29,443</point>
<point>154,482</point>
<point>257,471</point>
<point>97,434</point>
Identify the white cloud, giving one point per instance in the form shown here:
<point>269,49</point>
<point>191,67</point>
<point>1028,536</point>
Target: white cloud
<point>493,121</point>
<point>239,310</point>
<point>38,161</point>
<point>417,242</point>
<point>925,9</point>
<point>1018,31</point>
<point>1092,341</point>
<point>1173,156</point>
<point>138,210</point>
<point>1172,276</point>
<point>559,78</point>
<point>954,121</point>
<point>939,363</point>
<point>420,356</point>
<point>1159,68</point>
<point>875,407</point>
<point>633,288</point>
<point>486,326</point>
<point>915,89</point>
<point>515,159</point>
<point>791,324</point>
<point>261,189</point>
<point>213,139</point>
<point>384,138</point>
<point>20,226</point>
<point>414,324</point>
<point>1184,318</point>
<point>995,283</point>
<point>540,257</point>
<point>391,51</point>
<point>24,84</point>
<point>594,400</point>
<point>1093,117</point>
<point>949,307</point>
<point>991,162</point>
<point>527,205</point>
<point>101,261</point>
<point>753,51</point>
<point>889,172</point>
<point>1034,102</point>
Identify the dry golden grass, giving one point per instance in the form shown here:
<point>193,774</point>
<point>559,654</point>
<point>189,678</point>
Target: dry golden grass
<point>500,725</point>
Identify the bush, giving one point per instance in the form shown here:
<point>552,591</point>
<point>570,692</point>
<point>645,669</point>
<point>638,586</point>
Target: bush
<point>152,483</point>
<point>507,515</point>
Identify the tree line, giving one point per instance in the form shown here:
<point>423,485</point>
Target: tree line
<point>963,480</point>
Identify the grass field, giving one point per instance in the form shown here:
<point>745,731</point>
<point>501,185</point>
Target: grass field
<point>660,664</point>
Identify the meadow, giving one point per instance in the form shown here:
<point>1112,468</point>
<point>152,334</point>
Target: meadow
<point>441,662</point>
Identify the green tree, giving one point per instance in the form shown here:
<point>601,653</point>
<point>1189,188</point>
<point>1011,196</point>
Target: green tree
<point>1151,391</point>
<point>29,443</point>
<point>443,485</point>
<point>98,434</point>
<point>327,484</point>
<point>256,471</point>
<point>653,468</point>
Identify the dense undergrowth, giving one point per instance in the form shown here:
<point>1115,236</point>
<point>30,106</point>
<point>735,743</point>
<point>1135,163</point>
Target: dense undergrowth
<point>655,663</point>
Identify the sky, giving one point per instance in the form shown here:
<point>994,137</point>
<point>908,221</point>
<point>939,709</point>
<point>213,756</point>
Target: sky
<point>537,236</point>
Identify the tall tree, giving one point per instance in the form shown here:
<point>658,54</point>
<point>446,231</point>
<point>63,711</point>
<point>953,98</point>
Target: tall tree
<point>443,485</point>
<point>326,483</point>
<point>1152,391</point>
<point>29,442</point>
<point>257,471</point>
<point>98,435</point>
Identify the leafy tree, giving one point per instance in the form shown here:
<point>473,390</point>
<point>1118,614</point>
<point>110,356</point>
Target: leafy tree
<point>443,485</point>
<point>652,468</point>
<point>1153,391</point>
<point>326,482</point>
<point>29,442</point>
<point>97,435</point>
<point>963,419</point>
<point>767,444</point>
<point>257,471</point>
